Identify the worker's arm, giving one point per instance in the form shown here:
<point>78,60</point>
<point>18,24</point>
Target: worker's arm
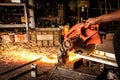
<point>113,16</point>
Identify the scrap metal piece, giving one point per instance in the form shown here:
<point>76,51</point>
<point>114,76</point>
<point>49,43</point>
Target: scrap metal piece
<point>34,70</point>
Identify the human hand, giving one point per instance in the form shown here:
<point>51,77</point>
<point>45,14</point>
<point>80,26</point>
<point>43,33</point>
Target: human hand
<point>91,21</point>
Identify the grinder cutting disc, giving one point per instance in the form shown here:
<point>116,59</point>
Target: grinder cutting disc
<point>85,49</point>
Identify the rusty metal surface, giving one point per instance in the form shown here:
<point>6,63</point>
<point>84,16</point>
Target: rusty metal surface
<point>42,71</point>
<point>74,75</point>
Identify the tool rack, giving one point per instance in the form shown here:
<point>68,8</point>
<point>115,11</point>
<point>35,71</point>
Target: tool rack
<point>16,25</point>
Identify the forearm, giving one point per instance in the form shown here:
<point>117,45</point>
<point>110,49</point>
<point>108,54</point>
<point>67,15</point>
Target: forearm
<point>113,16</point>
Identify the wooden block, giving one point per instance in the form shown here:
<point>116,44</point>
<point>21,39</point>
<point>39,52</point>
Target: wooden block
<point>39,43</point>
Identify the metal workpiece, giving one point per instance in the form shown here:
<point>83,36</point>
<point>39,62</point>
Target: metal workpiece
<point>19,72</point>
<point>99,60</point>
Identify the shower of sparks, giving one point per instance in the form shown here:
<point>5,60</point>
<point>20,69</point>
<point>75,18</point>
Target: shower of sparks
<point>17,53</point>
<point>24,53</point>
<point>73,56</point>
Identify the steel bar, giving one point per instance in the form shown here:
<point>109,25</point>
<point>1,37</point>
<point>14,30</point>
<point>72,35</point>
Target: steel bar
<point>31,12</point>
<point>26,20</point>
<point>19,75</point>
<point>100,60</point>
<point>19,67</point>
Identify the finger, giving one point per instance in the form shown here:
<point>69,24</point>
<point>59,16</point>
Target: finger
<point>87,25</point>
